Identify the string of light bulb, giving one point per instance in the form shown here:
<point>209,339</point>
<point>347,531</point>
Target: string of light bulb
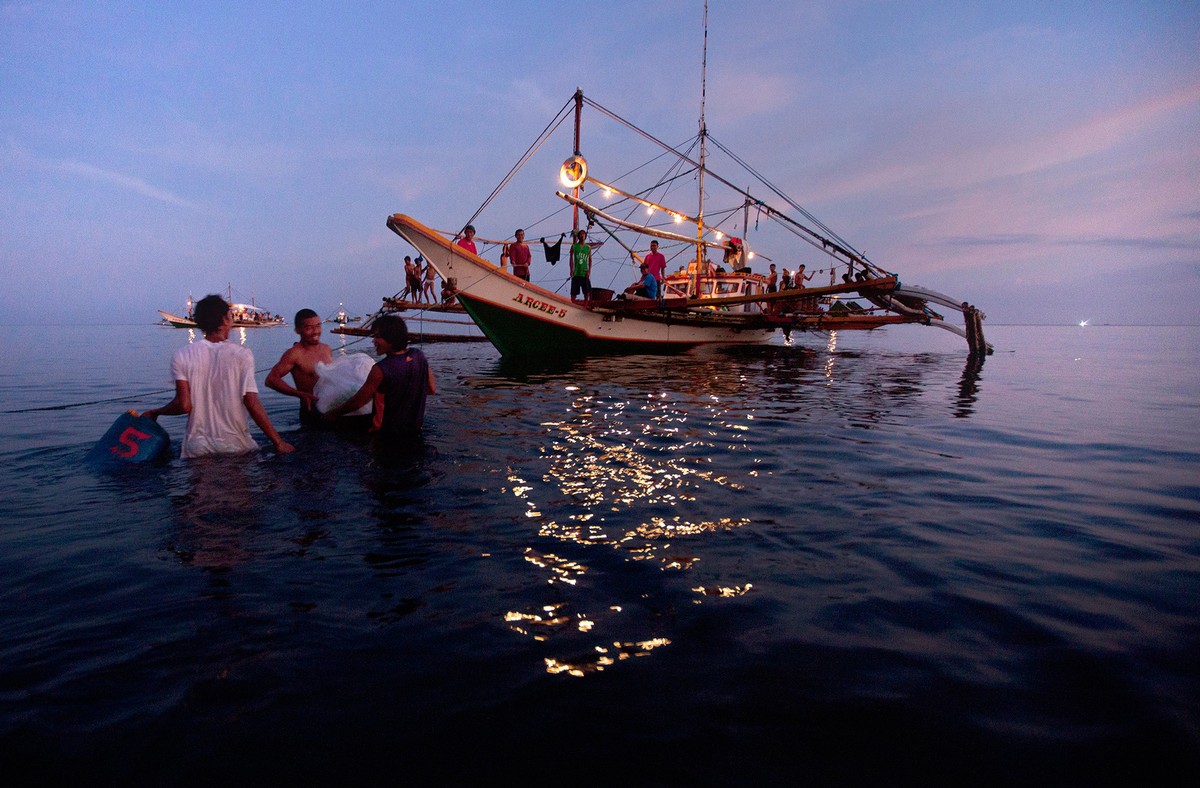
<point>574,173</point>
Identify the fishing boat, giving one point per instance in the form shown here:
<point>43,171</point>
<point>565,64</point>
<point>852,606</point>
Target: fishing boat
<point>244,315</point>
<point>342,317</point>
<point>703,302</point>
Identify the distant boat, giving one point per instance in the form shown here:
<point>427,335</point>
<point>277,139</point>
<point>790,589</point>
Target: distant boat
<point>341,317</point>
<point>244,315</point>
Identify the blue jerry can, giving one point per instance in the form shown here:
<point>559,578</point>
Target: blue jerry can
<point>132,438</point>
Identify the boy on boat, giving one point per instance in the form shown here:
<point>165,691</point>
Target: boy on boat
<point>581,267</point>
<point>215,388</point>
<point>300,360</point>
<point>429,278</point>
<point>411,286</point>
<point>402,377</point>
<point>519,255</point>
<point>799,278</point>
<point>468,240</point>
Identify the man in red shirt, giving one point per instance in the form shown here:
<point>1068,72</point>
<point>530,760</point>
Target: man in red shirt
<point>468,240</point>
<point>518,254</point>
<point>656,263</point>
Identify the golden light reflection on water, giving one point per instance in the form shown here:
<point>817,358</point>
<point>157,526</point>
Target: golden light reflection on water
<point>537,624</point>
<point>723,591</point>
<point>830,357</point>
<point>604,656</point>
<point>562,569</point>
<point>613,470</point>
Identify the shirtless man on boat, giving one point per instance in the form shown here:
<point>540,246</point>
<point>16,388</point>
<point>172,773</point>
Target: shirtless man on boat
<point>301,361</point>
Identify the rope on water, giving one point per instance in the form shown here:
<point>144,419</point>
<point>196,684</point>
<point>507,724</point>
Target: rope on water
<point>69,406</point>
<point>126,398</point>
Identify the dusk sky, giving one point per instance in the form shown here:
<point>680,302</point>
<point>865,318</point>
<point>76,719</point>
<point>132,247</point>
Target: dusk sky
<point>1041,160</point>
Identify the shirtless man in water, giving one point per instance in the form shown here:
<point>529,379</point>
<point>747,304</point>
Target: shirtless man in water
<point>301,361</point>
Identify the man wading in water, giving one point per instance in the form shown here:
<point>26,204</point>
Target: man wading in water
<point>214,386</point>
<point>301,361</point>
<point>398,382</point>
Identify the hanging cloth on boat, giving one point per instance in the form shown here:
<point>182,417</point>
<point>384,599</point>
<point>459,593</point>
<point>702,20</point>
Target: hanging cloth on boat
<point>553,252</point>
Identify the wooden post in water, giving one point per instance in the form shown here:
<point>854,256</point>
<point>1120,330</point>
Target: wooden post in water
<point>969,325</point>
<point>973,322</point>
<point>983,345</point>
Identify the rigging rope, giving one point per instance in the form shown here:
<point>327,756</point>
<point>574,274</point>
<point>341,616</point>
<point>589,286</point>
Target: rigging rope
<point>553,125</point>
<point>780,194</point>
<point>830,243</point>
<point>833,244</point>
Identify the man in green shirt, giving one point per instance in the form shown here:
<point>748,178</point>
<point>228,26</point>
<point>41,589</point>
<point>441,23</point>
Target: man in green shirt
<point>581,267</point>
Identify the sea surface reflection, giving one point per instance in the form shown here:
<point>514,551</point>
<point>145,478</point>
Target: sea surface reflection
<point>852,559</point>
<point>653,459</point>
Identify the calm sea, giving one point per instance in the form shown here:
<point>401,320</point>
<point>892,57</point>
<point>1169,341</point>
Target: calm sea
<point>856,560</point>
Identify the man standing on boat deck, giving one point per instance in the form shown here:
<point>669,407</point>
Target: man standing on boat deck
<point>518,254</point>
<point>581,267</point>
<point>800,278</point>
<point>408,293</point>
<point>656,263</point>
<point>300,360</point>
<point>214,386</point>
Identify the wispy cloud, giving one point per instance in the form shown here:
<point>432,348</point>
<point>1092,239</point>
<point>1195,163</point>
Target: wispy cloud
<point>1010,239</point>
<point>17,157</point>
<point>127,182</point>
<point>1031,155</point>
<point>1093,136</point>
<point>1033,239</point>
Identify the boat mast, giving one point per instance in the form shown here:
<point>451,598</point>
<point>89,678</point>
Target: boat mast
<point>746,230</point>
<point>578,118</point>
<point>703,154</point>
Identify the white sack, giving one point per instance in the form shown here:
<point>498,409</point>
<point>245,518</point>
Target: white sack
<point>340,380</point>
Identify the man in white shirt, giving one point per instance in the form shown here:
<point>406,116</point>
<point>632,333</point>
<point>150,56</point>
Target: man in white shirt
<point>214,386</point>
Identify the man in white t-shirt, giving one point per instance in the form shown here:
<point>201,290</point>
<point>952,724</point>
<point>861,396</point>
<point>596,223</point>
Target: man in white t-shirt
<point>214,386</point>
